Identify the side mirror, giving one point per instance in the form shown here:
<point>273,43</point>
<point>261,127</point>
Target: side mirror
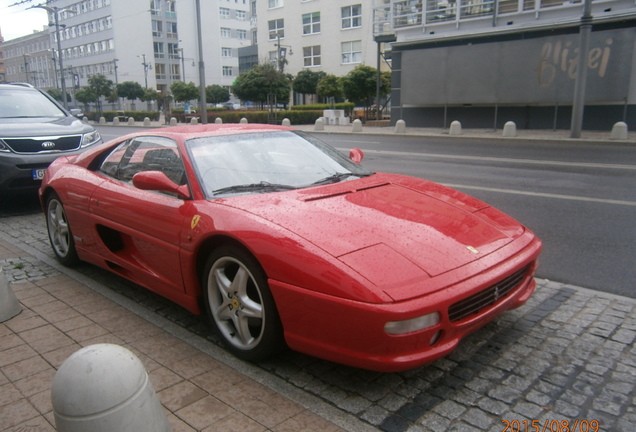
<point>158,181</point>
<point>356,155</point>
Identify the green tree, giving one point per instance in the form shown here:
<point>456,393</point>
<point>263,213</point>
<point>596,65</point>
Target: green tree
<point>329,87</point>
<point>306,81</point>
<point>101,86</point>
<point>86,95</point>
<point>149,95</point>
<point>57,94</point>
<point>261,83</point>
<point>182,92</point>
<point>217,94</point>
<point>360,85</point>
<point>130,90</point>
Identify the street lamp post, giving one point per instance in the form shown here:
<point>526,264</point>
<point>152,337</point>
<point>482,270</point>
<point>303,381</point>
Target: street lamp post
<point>202,103</point>
<point>54,10</point>
<point>281,53</point>
<point>146,67</point>
<point>26,67</point>
<point>116,83</point>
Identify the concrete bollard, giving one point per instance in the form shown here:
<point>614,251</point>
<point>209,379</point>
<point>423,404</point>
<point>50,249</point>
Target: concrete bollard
<point>84,119</point>
<point>115,121</point>
<point>194,121</point>
<point>510,130</point>
<point>105,388</point>
<point>455,128</point>
<point>9,305</point>
<point>286,122</point>
<point>619,131</point>
<point>357,126</point>
<point>173,121</point>
<point>400,127</point>
<point>319,125</point>
<point>218,120</point>
<point>243,120</point>
<point>102,120</point>
<point>131,121</point>
<point>146,121</point>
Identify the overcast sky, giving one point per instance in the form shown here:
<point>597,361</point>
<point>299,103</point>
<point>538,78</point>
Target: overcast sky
<point>16,21</point>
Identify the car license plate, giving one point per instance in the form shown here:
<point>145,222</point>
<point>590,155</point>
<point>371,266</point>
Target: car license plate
<point>38,174</point>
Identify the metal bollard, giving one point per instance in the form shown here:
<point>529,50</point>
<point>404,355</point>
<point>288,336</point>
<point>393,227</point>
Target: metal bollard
<point>105,388</point>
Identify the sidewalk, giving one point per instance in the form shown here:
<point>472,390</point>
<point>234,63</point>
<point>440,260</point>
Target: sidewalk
<point>198,391</point>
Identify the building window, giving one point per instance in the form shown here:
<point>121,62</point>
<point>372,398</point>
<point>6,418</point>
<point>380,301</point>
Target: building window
<point>171,30</point>
<point>311,56</point>
<point>227,70</point>
<point>224,13</point>
<point>155,7</point>
<point>175,72</point>
<point>173,50</point>
<point>274,3</point>
<point>158,49</point>
<point>226,52</point>
<point>241,34</point>
<point>276,28</point>
<point>226,32</point>
<point>351,16</point>
<point>311,23</point>
<point>241,15</point>
<point>160,71</point>
<point>351,52</point>
<point>157,28</point>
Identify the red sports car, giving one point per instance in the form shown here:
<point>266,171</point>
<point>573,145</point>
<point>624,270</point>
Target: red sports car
<point>283,241</point>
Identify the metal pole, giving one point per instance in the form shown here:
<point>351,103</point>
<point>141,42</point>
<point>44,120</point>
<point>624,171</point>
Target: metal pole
<point>202,103</point>
<point>116,84</point>
<point>377,101</point>
<point>26,68</point>
<point>578,103</point>
<point>59,57</point>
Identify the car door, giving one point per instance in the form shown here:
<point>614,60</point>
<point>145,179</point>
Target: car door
<point>139,230</point>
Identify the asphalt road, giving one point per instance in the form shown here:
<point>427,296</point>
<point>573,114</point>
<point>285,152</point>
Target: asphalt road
<point>580,198</point>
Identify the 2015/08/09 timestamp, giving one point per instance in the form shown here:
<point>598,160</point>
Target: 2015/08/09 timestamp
<point>551,426</point>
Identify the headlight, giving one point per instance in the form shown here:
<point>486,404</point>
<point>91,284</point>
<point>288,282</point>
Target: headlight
<point>90,138</point>
<point>412,325</point>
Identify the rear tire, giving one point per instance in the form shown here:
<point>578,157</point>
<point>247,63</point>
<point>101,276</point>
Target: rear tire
<point>60,233</point>
<point>240,305</point>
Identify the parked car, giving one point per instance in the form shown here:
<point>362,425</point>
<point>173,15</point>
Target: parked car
<point>34,131</point>
<point>283,240</point>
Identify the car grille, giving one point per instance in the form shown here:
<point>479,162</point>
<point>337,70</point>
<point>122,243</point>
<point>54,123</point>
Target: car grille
<point>475,303</point>
<point>44,144</point>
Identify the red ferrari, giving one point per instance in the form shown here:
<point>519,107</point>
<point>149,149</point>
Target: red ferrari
<point>284,241</point>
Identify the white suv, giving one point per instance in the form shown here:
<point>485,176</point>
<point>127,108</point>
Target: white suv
<point>34,131</point>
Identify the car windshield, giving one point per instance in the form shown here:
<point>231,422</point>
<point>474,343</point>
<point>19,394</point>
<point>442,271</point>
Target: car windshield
<point>267,162</point>
<point>26,103</point>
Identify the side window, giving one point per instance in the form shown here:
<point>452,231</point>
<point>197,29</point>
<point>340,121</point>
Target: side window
<point>145,154</point>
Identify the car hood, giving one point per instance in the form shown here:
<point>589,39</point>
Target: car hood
<point>42,126</point>
<point>423,229</point>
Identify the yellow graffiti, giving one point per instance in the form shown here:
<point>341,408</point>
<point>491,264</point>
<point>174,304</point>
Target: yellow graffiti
<point>195,221</point>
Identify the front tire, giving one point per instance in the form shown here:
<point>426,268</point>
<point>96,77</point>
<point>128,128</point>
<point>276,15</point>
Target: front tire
<point>59,231</point>
<point>240,305</point>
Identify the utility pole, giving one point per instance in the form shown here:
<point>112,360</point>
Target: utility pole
<point>202,103</point>
<point>578,103</point>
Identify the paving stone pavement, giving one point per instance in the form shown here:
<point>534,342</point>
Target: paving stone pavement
<point>564,361</point>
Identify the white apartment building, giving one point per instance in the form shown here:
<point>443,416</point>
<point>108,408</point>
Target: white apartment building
<point>29,59</point>
<point>333,36</point>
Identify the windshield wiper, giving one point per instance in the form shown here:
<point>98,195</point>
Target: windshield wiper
<point>253,187</point>
<point>336,178</point>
